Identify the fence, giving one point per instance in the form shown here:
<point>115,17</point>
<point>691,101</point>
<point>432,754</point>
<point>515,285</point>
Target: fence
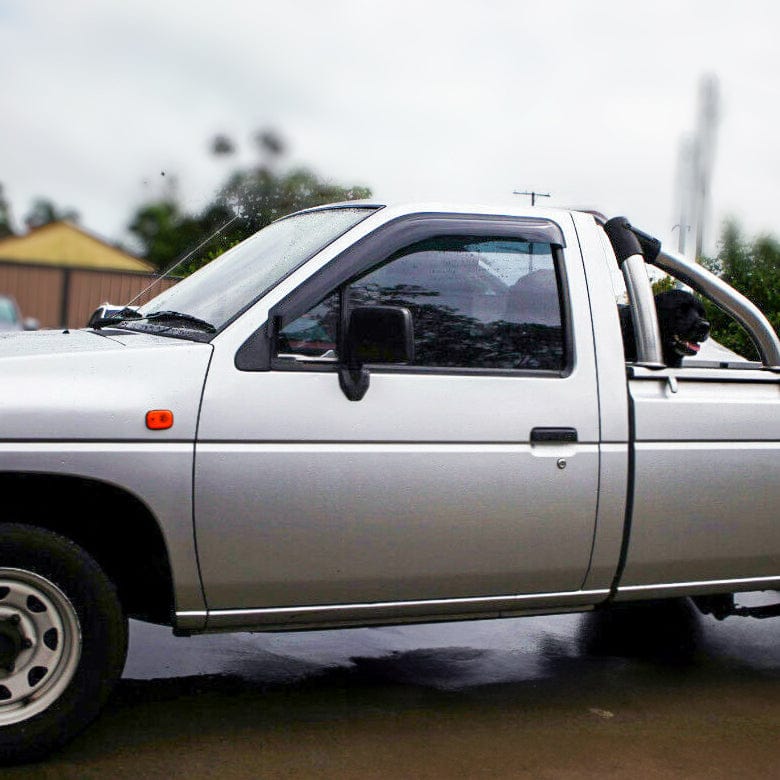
<point>60,297</point>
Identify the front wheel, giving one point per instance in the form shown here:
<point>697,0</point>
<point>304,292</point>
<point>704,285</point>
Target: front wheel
<point>63,641</point>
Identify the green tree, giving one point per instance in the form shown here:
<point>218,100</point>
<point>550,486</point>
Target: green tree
<point>45,211</point>
<point>6,228</point>
<point>248,200</point>
<point>167,234</point>
<point>752,268</point>
<point>261,196</point>
<point>270,143</point>
<point>222,145</point>
<point>663,284</point>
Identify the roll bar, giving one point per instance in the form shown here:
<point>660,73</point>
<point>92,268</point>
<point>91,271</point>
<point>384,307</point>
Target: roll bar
<point>643,314</point>
<point>633,249</point>
<point>744,311</point>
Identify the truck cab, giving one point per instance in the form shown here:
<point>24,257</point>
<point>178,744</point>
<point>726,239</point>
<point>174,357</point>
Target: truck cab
<point>370,414</point>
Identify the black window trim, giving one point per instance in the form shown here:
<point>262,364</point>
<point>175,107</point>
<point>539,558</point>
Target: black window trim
<point>256,354</point>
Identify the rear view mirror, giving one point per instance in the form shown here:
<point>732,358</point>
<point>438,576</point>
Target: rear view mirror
<point>375,334</point>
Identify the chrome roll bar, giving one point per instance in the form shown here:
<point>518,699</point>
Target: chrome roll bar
<point>643,315</point>
<point>633,249</point>
<point>746,313</point>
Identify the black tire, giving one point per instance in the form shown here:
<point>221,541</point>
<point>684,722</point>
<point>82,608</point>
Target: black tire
<point>63,641</point>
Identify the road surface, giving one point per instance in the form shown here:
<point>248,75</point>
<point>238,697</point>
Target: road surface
<point>652,693</point>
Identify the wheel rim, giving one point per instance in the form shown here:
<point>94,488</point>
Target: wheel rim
<point>40,644</point>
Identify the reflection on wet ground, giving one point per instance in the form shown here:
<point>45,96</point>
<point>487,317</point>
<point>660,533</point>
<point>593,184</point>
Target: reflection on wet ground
<point>460,655</point>
<point>641,691</point>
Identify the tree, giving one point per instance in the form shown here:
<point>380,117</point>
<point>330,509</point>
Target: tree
<point>5,216</point>
<point>752,268</point>
<point>45,211</point>
<point>260,196</point>
<point>663,284</point>
<point>167,234</point>
<point>269,142</point>
<point>222,145</point>
<point>249,200</point>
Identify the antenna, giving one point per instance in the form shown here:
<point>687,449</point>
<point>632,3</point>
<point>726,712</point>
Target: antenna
<point>189,254</point>
<point>534,195</point>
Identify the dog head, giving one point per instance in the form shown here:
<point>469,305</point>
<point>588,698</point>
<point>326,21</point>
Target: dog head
<point>683,324</point>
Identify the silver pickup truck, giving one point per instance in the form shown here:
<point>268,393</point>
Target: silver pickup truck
<point>370,414</point>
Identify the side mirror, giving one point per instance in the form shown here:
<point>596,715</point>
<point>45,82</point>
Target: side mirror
<point>375,334</point>
<point>379,334</point>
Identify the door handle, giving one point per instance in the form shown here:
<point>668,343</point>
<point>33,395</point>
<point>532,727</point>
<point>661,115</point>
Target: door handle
<point>567,435</point>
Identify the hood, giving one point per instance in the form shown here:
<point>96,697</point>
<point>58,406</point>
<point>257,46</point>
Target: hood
<point>15,343</point>
<point>47,342</point>
<point>86,385</point>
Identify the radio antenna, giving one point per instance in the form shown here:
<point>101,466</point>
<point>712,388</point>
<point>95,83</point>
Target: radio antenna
<point>534,195</point>
<point>182,259</point>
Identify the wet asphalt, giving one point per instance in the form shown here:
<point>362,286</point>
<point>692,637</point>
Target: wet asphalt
<point>656,691</point>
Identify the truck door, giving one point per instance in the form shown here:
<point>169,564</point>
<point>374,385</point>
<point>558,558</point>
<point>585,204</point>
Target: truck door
<point>470,474</point>
<point>707,477</point>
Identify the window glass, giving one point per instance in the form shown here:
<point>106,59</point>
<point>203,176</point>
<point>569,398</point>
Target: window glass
<point>227,285</point>
<point>313,335</point>
<point>475,303</point>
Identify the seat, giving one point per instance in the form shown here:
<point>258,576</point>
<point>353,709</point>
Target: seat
<point>533,300</point>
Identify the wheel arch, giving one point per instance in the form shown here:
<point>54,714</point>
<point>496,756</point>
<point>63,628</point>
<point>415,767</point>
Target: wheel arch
<point>114,526</point>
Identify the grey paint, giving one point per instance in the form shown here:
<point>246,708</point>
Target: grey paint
<point>428,488</point>
<point>81,386</point>
<point>75,404</point>
<point>707,476</point>
<point>427,499</point>
<point>291,618</point>
<point>600,263</point>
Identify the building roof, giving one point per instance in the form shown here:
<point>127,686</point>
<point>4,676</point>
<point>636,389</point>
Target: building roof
<point>66,244</point>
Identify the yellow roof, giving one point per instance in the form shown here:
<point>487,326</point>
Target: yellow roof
<point>62,243</point>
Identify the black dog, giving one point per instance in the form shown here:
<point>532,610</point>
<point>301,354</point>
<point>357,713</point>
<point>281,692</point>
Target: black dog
<point>682,321</point>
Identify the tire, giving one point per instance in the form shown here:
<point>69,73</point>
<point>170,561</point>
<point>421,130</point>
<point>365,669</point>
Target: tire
<point>63,641</point>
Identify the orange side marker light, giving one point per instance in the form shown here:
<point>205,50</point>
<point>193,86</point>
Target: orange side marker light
<point>159,419</point>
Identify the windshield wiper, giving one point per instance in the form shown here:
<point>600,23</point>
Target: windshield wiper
<point>177,316</point>
<point>104,317</point>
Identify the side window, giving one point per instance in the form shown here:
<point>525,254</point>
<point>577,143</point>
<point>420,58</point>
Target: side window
<point>313,335</point>
<point>475,303</point>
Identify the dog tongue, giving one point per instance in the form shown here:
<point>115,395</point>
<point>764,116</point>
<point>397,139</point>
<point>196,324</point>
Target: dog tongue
<point>692,345</point>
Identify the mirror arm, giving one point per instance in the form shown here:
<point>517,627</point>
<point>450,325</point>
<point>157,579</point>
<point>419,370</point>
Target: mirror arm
<point>354,381</point>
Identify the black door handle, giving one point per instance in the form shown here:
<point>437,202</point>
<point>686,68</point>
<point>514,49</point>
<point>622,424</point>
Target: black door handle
<point>567,435</point>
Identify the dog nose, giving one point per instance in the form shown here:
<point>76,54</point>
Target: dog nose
<point>704,330</point>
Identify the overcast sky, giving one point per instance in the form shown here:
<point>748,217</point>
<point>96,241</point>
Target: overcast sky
<point>417,100</point>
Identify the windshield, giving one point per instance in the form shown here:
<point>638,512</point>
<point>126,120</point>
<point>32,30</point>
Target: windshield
<point>227,285</point>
